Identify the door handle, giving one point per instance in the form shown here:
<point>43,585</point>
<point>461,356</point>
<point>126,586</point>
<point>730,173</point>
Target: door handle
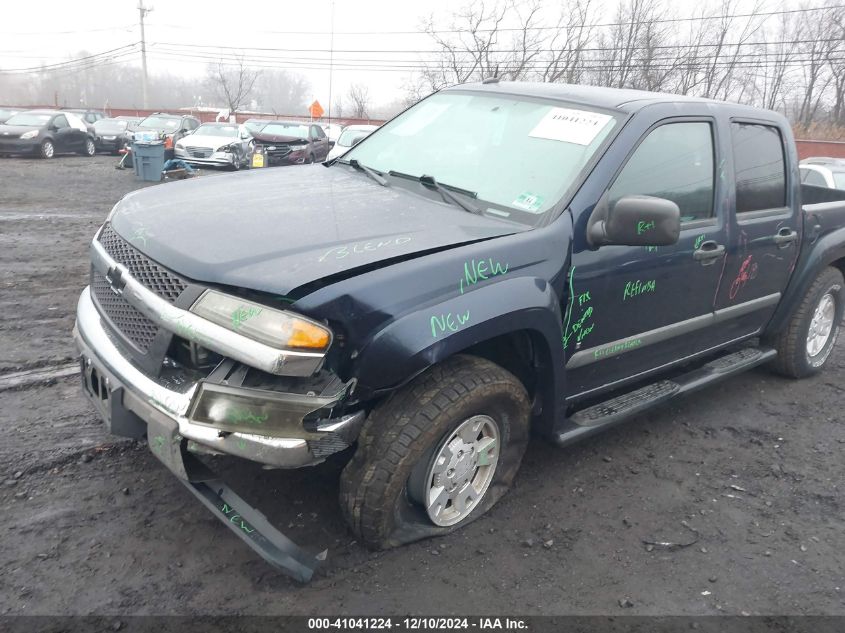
<point>785,237</point>
<point>708,253</point>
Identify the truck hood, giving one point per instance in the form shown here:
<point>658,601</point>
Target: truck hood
<point>274,230</point>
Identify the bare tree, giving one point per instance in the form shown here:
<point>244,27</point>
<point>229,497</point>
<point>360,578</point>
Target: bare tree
<point>232,82</point>
<point>359,98</point>
<point>472,46</point>
<point>567,44</point>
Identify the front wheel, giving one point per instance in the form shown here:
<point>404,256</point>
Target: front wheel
<point>90,149</point>
<point>806,342</point>
<point>47,149</point>
<point>437,454</point>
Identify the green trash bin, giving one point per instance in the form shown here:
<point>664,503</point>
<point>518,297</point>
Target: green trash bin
<point>148,160</point>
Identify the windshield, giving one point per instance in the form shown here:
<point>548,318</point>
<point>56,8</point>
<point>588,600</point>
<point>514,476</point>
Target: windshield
<point>168,124</point>
<point>839,179</point>
<point>518,155</point>
<point>349,137</point>
<point>255,126</point>
<point>216,130</point>
<point>27,118</point>
<point>286,129</point>
<point>104,126</point>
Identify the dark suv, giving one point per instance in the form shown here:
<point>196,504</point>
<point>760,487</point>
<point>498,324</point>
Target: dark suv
<point>290,142</point>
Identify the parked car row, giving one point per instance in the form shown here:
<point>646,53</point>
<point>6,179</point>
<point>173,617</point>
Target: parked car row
<point>46,133</point>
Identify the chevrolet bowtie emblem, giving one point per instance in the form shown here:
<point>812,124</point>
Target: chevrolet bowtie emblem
<point>116,281</point>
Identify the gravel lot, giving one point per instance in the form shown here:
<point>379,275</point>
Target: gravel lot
<point>94,525</point>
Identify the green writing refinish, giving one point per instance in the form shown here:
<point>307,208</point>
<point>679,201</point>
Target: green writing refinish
<point>482,269</point>
<point>638,287</point>
<point>610,350</point>
<point>449,321</point>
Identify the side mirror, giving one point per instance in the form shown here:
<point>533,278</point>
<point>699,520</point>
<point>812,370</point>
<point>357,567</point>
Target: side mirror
<point>635,221</point>
<point>331,144</point>
<point>357,140</point>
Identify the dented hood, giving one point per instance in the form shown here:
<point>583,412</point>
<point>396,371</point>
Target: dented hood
<point>274,230</point>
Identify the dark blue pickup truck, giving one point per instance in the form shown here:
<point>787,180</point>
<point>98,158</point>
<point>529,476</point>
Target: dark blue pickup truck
<point>498,258</point>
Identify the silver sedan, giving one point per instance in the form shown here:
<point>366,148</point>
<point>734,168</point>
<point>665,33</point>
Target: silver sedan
<point>216,144</point>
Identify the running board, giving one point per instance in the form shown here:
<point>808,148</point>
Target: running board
<point>610,412</point>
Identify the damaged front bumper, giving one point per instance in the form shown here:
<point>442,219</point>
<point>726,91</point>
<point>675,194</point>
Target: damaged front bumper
<point>180,422</point>
<point>127,397</point>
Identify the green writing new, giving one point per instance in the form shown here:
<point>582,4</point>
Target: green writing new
<point>448,321</point>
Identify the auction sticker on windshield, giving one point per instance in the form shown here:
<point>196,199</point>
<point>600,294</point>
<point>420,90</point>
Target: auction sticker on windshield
<point>528,202</point>
<point>570,126</point>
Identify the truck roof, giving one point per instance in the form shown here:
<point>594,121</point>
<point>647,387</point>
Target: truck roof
<point>623,99</point>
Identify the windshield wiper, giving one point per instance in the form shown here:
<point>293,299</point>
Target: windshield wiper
<point>353,162</point>
<point>443,190</point>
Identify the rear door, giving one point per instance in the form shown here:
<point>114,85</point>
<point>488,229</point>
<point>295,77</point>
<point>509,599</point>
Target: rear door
<point>63,137</point>
<point>320,143</point>
<point>765,228</point>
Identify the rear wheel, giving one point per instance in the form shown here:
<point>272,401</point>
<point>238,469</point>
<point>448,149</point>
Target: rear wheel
<point>437,454</point>
<point>47,149</point>
<point>805,344</point>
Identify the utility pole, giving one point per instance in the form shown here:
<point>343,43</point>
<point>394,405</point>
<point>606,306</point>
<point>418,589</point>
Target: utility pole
<point>142,11</point>
<point>331,60</point>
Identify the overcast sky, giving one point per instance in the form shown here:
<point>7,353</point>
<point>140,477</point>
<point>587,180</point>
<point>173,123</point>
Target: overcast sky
<point>368,33</point>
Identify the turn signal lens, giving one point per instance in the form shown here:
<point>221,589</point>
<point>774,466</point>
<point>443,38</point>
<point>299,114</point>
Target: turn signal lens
<point>278,328</point>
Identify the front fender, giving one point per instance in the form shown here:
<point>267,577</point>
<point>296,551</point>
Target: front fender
<point>416,341</point>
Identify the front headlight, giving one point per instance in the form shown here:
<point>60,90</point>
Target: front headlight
<point>226,149</point>
<point>179,145</point>
<point>30,134</point>
<point>278,328</point>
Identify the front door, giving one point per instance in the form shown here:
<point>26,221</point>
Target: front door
<point>632,309</point>
<point>765,229</point>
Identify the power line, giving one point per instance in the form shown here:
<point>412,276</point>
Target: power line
<point>69,63</point>
<point>539,28</point>
<point>725,45</point>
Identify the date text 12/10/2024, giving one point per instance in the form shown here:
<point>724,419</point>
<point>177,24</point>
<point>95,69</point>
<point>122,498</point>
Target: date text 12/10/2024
<point>417,623</point>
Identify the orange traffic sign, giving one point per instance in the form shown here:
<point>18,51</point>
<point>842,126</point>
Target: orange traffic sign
<point>316,110</point>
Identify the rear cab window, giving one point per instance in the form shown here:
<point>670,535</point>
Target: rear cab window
<point>759,167</point>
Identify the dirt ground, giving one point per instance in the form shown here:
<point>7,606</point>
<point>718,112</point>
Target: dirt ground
<point>751,471</point>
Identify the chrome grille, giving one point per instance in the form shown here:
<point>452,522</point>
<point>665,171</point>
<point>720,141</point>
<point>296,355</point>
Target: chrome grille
<point>131,323</point>
<point>161,281</point>
<point>199,152</point>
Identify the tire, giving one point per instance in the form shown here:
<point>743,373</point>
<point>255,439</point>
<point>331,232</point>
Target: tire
<point>47,150</point>
<point>795,343</point>
<point>90,148</point>
<point>382,487</point>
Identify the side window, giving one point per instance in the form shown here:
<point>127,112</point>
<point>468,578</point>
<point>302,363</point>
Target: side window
<point>760,167</point>
<point>320,133</point>
<point>193,124</point>
<point>60,121</point>
<point>812,177</point>
<point>675,162</point>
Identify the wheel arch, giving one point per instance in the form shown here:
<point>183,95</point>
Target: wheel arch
<point>514,323</point>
